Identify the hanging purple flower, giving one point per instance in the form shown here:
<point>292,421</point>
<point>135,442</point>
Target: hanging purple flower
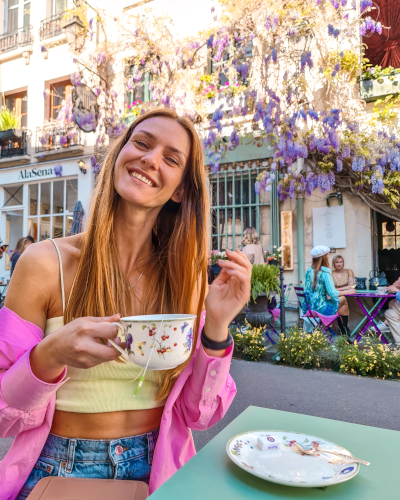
<point>63,141</point>
<point>339,164</point>
<point>378,28</point>
<point>257,187</point>
<point>274,54</point>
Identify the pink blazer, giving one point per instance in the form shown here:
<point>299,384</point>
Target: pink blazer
<point>200,398</point>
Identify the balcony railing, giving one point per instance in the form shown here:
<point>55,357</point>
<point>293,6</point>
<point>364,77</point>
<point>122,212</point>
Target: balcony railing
<point>17,38</point>
<point>13,143</point>
<point>55,136</point>
<point>51,26</point>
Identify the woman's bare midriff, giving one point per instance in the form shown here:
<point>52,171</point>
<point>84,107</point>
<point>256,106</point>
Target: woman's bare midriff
<point>111,425</point>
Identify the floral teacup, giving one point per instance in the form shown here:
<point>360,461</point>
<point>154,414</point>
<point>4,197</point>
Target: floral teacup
<point>163,340</point>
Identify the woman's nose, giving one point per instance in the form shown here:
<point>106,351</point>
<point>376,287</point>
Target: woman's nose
<point>152,160</point>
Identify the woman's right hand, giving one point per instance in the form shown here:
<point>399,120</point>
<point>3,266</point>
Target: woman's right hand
<point>76,344</point>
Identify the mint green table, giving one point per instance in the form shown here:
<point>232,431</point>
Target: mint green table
<point>211,475</point>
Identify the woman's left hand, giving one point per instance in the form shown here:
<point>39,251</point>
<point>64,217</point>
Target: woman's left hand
<point>227,295</point>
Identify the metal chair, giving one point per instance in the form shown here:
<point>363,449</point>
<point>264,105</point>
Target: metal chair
<point>313,317</point>
<point>286,290</point>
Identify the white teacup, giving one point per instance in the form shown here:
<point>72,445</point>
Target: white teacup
<point>165,339</point>
<point>381,290</point>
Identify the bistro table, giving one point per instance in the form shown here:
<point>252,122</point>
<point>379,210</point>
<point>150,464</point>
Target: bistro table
<point>211,475</point>
<point>370,314</point>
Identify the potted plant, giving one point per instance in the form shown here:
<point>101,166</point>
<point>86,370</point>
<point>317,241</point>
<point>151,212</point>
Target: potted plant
<point>275,257</point>
<point>215,256</point>
<point>264,285</point>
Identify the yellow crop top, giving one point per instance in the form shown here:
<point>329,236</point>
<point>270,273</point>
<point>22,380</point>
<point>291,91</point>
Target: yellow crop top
<point>105,387</point>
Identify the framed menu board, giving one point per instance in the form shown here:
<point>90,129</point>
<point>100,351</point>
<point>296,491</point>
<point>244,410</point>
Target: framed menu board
<point>287,240</point>
<point>329,227</point>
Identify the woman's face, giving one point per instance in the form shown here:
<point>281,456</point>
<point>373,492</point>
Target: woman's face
<point>149,169</point>
<point>339,264</point>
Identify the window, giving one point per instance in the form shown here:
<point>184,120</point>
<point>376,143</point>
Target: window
<point>390,235</point>
<point>59,92</point>
<point>17,16</point>
<point>58,7</point>
<point>18,103</point>
<point>234,206</point>
<point>50,208</point>
<point>221,68</point>
<point>13,23</point>
<point>12,196</point>
<point>140,92</point>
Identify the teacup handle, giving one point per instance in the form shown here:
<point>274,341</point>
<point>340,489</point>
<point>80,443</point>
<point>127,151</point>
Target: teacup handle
<point>119,348</point>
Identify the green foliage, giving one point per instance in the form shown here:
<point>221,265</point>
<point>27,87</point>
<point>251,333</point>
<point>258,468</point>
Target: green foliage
<point>300,348</point>
<point>264,278</point>
<point>384,109</point>
<point>377,72</point>
<point>8,120</point>
<point>376,359</point>
<point>250,341</point>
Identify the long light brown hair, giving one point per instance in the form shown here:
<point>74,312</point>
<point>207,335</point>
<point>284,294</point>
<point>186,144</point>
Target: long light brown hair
<point>317,263</point>
<point>176,275</point>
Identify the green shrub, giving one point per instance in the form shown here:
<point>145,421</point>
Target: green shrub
<point>250,341</point>
<point>376,359</point>
<point>299,348</point>
<point>264,278</point>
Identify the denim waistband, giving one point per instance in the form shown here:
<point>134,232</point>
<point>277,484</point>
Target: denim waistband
<point>101,450</point>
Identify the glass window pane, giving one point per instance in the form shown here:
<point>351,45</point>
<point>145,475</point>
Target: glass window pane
<point>58,226</point>
<point>14,227</point>
<point>13,195</point>
<point>214,243</point>
<point>44,198</point>
<point>60,6</point>
<point>68,224</point>
<point>12,19</point>
<point>246,218</point>
<point>253,192</point>
<point>24,104</point>
<point>33,228</point>
<point>72,193</point>
<point>221,221</point>
<point>238,222</point>
<point>33,199</point>
<point>44,228</point>
<point>245,198</point>
<point>221,197</point>
<point>11,3</point>
<point>214,194</point>
<point>385,231</point>
<point>229,197</point>
<point>253,217</point>
<point>214,226</point>
<point>238,193</point>
<point>229,223</point>
<point>27,14</point>
<point>397,227</point>
<point>58,197</point>
<point>389,242</point>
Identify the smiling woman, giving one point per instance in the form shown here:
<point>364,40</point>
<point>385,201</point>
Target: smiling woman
<point>144,252</point>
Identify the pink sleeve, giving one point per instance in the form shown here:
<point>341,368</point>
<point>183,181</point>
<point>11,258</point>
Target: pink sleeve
<point>208,391</point>
<point>23,397</point>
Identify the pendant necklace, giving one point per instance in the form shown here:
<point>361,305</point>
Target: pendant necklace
<point>131,286</point>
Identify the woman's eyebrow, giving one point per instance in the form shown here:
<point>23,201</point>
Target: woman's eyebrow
<point>149,134</point>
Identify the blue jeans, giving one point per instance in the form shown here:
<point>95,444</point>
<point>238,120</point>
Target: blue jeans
<point>124,458</point>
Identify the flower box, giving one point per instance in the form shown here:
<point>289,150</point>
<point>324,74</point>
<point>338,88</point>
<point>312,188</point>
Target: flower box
<point>373,89</point>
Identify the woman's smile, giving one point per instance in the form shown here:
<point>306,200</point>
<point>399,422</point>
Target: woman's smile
<point>142,177</point>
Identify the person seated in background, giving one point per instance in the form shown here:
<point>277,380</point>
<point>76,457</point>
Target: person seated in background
<point>252,247</point>
<point>19,249</point>
<point>320,290</point>
<point>392,316</point>
<point>3,248</point>
<point>343,279</point>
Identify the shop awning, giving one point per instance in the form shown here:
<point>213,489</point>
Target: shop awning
<point>78,213</point>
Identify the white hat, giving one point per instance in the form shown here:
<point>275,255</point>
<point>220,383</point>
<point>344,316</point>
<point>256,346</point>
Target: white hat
<point>319,251</point>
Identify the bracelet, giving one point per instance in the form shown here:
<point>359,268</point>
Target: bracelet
<point>216,346</point>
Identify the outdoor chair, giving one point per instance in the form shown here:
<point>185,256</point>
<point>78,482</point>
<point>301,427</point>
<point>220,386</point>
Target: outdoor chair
<point>316,319</point>
<point>276,312</point>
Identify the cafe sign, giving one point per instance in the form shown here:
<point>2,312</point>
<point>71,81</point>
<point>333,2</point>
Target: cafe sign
<point>35,173</point>
<point>85,110</point>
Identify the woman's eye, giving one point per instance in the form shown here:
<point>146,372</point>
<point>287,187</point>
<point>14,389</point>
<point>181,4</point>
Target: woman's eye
<point>141,144</point>
<point>173,160</point>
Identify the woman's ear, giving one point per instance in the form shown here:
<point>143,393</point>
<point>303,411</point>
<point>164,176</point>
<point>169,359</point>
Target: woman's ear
<point>177,197</point>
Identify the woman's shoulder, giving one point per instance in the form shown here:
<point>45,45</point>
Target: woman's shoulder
<point>326,269</point>
<point>44,253</point>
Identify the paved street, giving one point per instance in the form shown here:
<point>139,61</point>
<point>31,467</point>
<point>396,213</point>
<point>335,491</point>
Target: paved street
<point>323,394</point>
